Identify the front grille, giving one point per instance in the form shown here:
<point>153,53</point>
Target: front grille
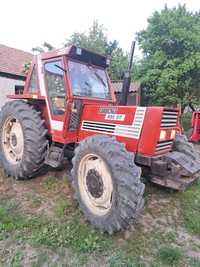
<point>169,118</point>
<point>98,127</point>
<point>114,129</point>
<point>164,145</point>
<point>138,121</point>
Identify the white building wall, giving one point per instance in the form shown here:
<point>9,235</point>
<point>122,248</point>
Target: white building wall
<point>7,87</point>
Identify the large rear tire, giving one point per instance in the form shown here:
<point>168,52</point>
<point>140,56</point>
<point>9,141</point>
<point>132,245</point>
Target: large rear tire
<point>23,142</point>
<point>107,183</point>
<point>181,144</point>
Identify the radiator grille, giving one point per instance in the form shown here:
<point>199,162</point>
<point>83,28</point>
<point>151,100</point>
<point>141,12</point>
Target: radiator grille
<point>169,118</point>
<point>98,127</point>
<point>138,121</point>
<point>164,145</point>
<point>113,129</point>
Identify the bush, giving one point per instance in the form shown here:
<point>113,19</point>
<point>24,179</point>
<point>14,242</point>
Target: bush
<point>186,120</point>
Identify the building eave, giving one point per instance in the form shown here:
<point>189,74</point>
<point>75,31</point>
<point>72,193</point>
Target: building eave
<point>12,76</point>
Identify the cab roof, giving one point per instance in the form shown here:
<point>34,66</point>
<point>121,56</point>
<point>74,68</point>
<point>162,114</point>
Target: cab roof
<point>78,53</point>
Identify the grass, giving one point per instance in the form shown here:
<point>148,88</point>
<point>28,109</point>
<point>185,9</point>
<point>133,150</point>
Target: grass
<point>65,207</point>
<point>121,260</point>
<point>51,183</point>
<point>40,261</point>
<point>65,239</point>
<point>10,219</point>
<point>55,260</point>
<point>190,209</point>
<point>16,260</point>
<point>36,201</point>
<point>40,231</point>
<point>145,247</point>
<point>169,255</point>
<point>74,235</point>
<point>194,263</point>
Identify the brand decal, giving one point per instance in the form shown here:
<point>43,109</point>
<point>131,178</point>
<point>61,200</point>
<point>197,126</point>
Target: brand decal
<point>109,110</point>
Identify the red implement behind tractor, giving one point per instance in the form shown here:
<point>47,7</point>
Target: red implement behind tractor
<point>68,110</point>
<point>193,134</point>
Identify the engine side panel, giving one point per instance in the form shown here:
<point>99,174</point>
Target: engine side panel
<point>112,121</point>
<point>150,132</point>
<point>139,128</point>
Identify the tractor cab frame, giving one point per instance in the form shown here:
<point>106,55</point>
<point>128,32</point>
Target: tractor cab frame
<point>53,80</point>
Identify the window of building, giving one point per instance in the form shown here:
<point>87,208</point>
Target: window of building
<point>19,89</point>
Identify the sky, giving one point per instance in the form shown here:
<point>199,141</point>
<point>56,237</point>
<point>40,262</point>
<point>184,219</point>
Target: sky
<point>28,23</point>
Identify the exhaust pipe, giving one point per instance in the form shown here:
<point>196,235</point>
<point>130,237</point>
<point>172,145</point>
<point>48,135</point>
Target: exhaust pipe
<point>127,78</point>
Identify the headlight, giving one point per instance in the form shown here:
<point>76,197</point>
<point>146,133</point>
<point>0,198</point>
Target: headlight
<point>173,134</point>
<point>163,134</point>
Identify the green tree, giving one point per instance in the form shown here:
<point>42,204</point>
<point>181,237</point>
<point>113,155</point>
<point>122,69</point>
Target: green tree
<point>170,68</point>
<point>45,47</point>
<point>38,49</point>
<point>96,40</point>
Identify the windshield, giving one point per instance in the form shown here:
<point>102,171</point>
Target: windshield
<point>87,80</point>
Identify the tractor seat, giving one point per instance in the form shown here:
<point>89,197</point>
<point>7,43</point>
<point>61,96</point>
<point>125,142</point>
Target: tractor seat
<point>58,104</point>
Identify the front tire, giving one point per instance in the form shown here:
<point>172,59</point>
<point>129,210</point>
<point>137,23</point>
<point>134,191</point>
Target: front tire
<point>107,183</point>
<point>23,142</point>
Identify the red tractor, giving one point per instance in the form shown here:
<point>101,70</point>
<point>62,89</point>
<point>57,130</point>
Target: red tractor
<point>68,110</point>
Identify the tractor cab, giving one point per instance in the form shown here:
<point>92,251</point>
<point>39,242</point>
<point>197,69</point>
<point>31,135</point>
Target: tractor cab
<point>62,81</point>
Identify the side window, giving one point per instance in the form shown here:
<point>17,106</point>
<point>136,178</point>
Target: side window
<point>55,86</point>
<point>33,81</point>
<point>19,89</point>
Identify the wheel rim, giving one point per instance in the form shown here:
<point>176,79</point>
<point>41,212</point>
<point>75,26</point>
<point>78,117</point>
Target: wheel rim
<point>95,184</point>
<point>13,140</point>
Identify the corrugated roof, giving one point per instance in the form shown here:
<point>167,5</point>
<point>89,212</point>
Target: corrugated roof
<point>117,85</point>
<point>12,60</point>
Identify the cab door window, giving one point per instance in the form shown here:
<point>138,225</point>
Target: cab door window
<point>55,86</point>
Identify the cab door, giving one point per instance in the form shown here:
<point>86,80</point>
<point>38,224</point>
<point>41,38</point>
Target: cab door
<point>59,102</point>
<point>55,86</point>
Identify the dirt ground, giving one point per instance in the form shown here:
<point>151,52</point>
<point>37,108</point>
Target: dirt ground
<point>41,225</point>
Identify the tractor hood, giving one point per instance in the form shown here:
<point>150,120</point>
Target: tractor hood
<point>147,130</point>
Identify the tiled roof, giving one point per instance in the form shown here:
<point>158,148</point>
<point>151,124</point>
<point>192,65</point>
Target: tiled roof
<point>117,86</point>
<point>12,60</point>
